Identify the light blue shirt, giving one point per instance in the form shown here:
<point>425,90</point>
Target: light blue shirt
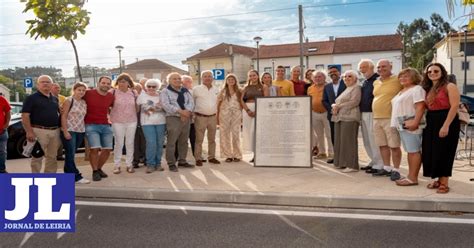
<point>169,102</point>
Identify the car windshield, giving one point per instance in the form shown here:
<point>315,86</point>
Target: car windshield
<point>16,108</point>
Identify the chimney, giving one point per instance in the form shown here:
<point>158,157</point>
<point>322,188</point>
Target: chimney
<point>231,50</point>
<point>331,38</point>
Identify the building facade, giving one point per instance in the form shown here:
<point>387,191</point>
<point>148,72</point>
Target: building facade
<point>450,53</point>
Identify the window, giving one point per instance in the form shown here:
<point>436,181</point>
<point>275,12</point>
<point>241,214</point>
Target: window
<point>219,66</point>
<point>346,67</point>
<point>469,48</point>
<point>287,72</point>
<point>319,67</point>
<point>465,65</point>
<point>267,69</point>
<point>140,76</point>
<point>157,76</point>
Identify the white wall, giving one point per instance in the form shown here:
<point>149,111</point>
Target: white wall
<point>353,59</point>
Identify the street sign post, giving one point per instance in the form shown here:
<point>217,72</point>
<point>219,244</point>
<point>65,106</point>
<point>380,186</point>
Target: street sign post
<point>219,74</point>
<point>28,82</point>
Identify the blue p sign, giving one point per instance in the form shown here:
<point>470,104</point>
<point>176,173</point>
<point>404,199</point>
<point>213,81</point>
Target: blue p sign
<point>28,82</point>
<point>218,74</point>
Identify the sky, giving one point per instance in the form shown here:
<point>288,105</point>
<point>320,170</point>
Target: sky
<point>175,30</point>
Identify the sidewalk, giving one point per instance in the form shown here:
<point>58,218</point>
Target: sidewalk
<point>320,186</point>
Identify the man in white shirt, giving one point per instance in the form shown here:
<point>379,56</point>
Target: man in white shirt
<point>205,109</point>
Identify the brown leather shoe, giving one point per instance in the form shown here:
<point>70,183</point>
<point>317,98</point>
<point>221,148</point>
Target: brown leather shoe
<point>214,161</point>
<point>198,162</point>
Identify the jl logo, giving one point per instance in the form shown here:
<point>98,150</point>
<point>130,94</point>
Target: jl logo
<point>37,202</point>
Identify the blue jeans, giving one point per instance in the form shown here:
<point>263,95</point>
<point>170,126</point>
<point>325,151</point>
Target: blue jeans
<point>3,150</point>
<point>70,147</point>
<point>154,136</point>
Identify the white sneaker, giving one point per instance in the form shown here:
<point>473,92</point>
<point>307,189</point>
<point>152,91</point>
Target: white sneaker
<point>349,170</point>
<point>83,181</point>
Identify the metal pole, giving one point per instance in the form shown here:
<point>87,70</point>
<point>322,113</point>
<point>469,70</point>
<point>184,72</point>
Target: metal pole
<point>120,60</point>
<point>464,91</point>
<point>258,65</point>
<point>300,17</point>
<point>273,68</point>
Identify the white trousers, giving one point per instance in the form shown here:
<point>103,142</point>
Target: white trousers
<point>124,133</point>
<point>321,133</point>
<point>369,142</point>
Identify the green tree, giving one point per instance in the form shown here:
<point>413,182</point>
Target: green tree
<point>419,37</point>
<point>58,19</point>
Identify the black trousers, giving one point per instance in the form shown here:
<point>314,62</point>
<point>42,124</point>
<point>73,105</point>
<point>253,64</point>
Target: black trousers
<point>139,146</point>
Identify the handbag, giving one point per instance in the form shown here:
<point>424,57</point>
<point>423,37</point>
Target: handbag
<point>463,114</point>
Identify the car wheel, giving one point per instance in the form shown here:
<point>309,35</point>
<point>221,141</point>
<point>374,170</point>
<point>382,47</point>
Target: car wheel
<point>19,146</point>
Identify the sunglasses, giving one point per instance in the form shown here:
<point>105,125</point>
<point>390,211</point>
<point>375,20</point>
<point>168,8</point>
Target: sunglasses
<point>433,71</point>
<point>149,86</point>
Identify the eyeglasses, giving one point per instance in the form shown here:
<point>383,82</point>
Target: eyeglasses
<point>151,86</point>
<point>433,71</point>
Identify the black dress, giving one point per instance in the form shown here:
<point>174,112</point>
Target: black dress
<point>438,153</point>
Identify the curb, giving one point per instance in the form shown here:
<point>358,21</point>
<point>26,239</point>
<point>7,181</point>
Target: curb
<point>281,199</point>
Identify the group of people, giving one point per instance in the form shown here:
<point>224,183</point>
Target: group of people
<point>409,109</point>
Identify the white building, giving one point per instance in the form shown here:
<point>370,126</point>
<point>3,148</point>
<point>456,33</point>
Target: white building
<point>450,53</point>
<point>345,52</point>
<point>5,91</point>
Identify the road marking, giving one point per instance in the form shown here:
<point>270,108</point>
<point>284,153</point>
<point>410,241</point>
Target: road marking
<point>278,212</point>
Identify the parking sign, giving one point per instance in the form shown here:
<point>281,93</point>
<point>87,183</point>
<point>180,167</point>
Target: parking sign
<point>28,82</point>
<point>218,74</point>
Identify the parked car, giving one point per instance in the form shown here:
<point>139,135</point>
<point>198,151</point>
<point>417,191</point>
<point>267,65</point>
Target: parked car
<point>469,101</point>
<point>16,132</point>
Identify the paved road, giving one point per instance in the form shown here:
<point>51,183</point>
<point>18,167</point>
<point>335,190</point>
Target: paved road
<point>138,224</point>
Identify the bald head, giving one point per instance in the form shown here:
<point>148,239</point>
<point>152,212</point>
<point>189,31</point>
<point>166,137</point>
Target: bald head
<point>44,84</point>
<point>384,68</point>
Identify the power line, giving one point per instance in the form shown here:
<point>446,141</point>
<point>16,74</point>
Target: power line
<point>244,31</point>
<point>232,14</point>
<point>181,36</point>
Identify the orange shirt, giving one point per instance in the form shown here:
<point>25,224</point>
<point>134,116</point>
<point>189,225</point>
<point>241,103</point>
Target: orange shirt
<point>316,93</point>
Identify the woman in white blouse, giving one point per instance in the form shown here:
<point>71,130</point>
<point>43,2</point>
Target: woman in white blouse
<point>408,109</point>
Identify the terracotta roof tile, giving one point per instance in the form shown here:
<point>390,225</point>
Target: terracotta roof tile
<point>152,64</point>
<point>223,50</point>
<point>368,44</point>
<point>292,50</point>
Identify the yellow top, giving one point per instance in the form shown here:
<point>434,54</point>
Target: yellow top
<point>61,100</point>
<point>286,87</point>
<point>384,91</point>
<point>316,93</point>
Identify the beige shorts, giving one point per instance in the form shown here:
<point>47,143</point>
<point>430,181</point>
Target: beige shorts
<point>385,135</point>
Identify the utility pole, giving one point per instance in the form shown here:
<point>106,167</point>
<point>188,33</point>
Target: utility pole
<point>300,17</point>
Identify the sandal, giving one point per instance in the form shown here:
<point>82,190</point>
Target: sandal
<point>116,170</point>
<point>442,189</point>
<point>228,160</point>
<point>406,182</point>
<point>130,169</point>
<point>433,185</point>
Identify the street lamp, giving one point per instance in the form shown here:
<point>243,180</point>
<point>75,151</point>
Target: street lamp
<point>119,49</point>
<point>257,39</point>
<point>464,90</point>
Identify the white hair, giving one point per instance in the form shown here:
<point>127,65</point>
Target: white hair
<point>153,81</point>
<point>368,61</point>
<point>319,71</point>
<point>207,71</point>
<point>353,73</point>
<point>169,76</point>
<point>186,76</point>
